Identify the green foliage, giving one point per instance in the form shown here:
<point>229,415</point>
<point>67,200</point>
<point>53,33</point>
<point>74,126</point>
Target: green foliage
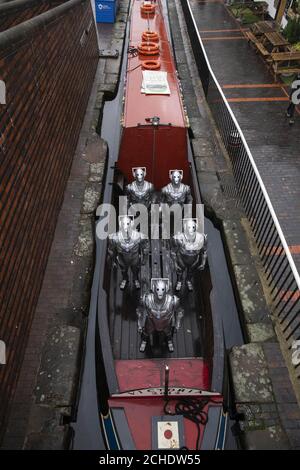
<point>288,80</point>
<point>296,46</point>
<point>248,17</point>
<point>247,13</point>
<point>296,6</point>
<point>292,30</point>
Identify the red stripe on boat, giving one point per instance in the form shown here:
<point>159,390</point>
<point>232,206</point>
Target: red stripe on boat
<point>148,373</point>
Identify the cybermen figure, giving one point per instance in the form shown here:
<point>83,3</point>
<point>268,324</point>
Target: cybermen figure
<point>140,191</point>
<point>159,312</point>
<point>128,248</point>
<point>176,192</point>
<point>189,251</point>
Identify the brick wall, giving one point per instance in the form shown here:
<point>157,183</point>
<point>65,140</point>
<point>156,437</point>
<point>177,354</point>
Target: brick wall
<point>48,67</point>
<point>18,11</point>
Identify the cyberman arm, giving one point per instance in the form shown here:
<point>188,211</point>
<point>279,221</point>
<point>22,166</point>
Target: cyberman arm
<point>204,254</point>
<point>141,315</point>
<point>189,197</point>
<point>112,251</point>
<point>174,245</point>
<point>128,193</point>
<point>162,198</point>
<point>179,313</point>
<point>154,199</point>
<point>199,263</point>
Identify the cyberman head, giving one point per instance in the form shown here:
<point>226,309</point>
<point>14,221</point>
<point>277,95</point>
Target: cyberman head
<point>176,176</point>
<point>160,287</point>
<point>190,227</point>
<point>125,223</point>
<point>139,174</point>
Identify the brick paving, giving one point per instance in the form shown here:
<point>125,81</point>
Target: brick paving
<point>287,406</point>
<point>274,144</point>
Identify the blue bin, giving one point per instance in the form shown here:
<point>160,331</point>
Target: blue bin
<point>106,11</point>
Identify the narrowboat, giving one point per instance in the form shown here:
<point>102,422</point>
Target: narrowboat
<point>156,399</point>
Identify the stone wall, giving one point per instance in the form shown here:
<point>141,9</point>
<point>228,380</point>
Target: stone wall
<point>48,65</point>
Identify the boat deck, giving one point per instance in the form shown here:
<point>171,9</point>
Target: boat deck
<point>188,341</point>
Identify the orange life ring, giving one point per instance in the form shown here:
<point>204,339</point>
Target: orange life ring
<point>148,8</point>
<point>151,64</point>
<point>148,48</point>
<point>150,36</point>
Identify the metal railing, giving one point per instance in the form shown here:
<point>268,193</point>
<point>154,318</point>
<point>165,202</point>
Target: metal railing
<point>279,266</point>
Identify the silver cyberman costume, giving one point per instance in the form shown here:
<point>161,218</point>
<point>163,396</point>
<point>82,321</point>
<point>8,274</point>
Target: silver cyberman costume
<point>176,192</point>
<point>128,248</point>
<point>140,191</point>
<point>189,251</point>
<point>159,312</point>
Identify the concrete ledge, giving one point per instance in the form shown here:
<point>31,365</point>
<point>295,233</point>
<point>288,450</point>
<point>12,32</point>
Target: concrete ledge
<point>46,429</point>
<point>271,438</point>
<point>250,374</point>
<point>255,399</point>
<point>261,332</point>
<point>60,440</point>
<point>57,379</point>
<point>252,303</point>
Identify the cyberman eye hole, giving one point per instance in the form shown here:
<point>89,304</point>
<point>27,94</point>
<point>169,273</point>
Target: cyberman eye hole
<point>180,174</point>
<point>136,168</point>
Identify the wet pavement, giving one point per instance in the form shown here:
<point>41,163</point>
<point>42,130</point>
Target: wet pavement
<point>259,105</point>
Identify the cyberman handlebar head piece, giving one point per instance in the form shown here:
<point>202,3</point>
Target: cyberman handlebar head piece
<point>176,176</point>
<point>160,286</point>
<point>139,173</point>
<point>176,192</point>
<point>140,191</point>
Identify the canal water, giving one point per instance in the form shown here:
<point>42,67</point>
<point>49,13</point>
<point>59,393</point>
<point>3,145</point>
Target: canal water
<point>87,433</point>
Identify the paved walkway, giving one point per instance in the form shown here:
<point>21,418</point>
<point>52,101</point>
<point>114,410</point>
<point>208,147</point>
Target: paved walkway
<point>259,105</point>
